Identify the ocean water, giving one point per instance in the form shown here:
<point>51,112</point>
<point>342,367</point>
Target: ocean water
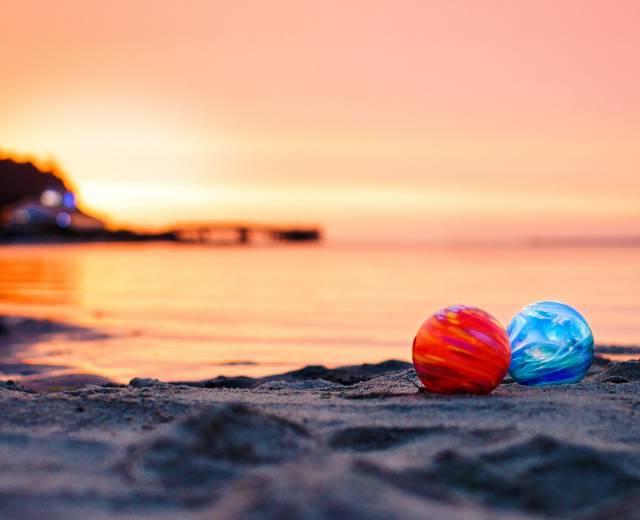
<point>187,312</point>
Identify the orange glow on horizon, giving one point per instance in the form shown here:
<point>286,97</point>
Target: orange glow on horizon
<point>378,119</point>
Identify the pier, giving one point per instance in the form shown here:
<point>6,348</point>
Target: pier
<point>242,233</point>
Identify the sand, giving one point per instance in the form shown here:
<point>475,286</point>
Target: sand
<point>357,442</point>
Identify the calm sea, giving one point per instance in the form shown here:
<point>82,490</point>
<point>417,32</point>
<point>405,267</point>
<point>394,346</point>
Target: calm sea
<point>191,312</point>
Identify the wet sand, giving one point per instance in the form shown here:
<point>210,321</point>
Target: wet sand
<point>355,442</point>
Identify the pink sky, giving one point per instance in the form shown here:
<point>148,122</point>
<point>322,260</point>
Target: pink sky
<point>428,119</point>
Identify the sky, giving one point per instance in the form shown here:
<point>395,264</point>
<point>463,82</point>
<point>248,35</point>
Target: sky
<point>381,120</point>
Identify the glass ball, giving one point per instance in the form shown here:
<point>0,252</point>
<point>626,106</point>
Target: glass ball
<point>461,349</point>
<point>551,343</point>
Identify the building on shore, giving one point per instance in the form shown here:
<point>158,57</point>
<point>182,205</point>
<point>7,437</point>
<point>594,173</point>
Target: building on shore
<point>52,212</point>
<point>33,202</point>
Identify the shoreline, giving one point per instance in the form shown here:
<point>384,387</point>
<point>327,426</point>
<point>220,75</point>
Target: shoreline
<point>17,333</point>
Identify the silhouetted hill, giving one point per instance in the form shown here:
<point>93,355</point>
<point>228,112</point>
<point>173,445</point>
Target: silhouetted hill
<point>19,181</point>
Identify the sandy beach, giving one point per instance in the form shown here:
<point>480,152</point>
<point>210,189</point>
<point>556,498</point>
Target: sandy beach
<point>354,442</point>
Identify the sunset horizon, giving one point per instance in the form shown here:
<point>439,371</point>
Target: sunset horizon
<point>427,122</point>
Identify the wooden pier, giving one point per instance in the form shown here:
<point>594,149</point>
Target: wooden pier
<point>234,233</point>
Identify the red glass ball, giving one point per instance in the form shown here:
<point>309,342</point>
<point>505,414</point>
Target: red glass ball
<point>461,349</point>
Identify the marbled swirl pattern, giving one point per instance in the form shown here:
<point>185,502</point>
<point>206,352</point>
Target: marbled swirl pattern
<point>551,343</point>
<point>461,349</point>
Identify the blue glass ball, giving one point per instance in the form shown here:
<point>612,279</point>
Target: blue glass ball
<point>551,344</point>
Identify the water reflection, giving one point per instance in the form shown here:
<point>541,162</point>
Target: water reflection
<point>33,277</point>
<point>38,278</point>
<point>178,312</point>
